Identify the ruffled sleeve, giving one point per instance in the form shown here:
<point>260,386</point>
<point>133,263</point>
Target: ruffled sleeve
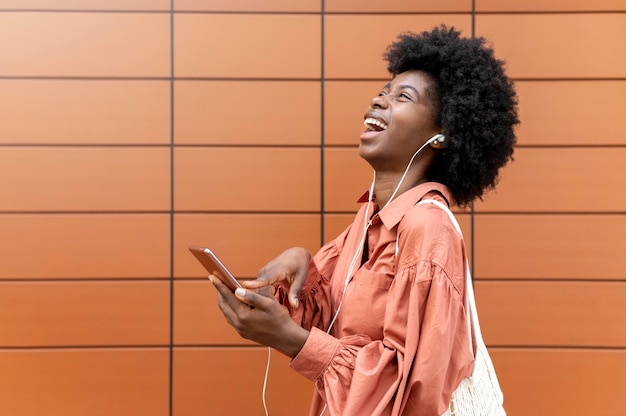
<point>314,307</point>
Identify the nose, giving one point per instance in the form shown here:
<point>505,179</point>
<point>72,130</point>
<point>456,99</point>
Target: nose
<point>379,101</point>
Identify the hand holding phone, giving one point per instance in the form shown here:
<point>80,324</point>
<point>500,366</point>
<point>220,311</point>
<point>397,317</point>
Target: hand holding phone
<point>214,266</point>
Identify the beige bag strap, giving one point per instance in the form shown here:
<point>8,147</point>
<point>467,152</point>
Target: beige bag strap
<point>472,313</point>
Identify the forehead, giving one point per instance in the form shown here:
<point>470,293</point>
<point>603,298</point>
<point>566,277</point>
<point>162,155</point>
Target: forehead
<point>419,80</point>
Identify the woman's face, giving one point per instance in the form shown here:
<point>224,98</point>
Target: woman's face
<point>399,120</point>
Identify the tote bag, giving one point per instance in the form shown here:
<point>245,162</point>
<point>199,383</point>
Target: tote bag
<point>479,394</point>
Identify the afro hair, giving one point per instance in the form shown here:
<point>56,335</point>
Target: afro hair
<point>475,105</point>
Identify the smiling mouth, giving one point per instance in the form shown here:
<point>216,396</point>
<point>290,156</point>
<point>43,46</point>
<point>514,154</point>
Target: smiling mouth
<point>372,124</point>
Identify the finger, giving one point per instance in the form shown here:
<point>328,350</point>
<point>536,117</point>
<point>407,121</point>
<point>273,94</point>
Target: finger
<point>226,295</point>
<point>256,284</point>
<point>222,289</point>
<point>253,299</point>
<point>267,276</point>
<point>224,306</point>
<point>296,288</point>
<point>294,295</point>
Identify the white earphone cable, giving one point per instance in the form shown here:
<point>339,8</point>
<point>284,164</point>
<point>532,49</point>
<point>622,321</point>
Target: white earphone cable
<point>267,371</point>
<point>356,255</point>
<point>429,141</point>
<point>366,226</point>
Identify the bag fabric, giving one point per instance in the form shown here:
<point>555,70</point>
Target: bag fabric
<point>480,394</point>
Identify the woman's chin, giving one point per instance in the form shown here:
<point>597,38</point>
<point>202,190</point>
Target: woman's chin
<point>364,153</point>
<point>367,156</point>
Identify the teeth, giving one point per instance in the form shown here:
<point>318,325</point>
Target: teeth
<point>375,122</point>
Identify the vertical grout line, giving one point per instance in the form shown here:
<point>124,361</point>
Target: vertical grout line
<point>171,340</point>
<point>322,122</point>
<point>472,213</point>
<point>473,18</point>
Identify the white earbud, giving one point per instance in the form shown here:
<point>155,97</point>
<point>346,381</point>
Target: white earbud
<point>437,139</point>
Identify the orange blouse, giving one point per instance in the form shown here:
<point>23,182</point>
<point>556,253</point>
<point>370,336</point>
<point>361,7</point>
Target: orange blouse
<point>399,345</point>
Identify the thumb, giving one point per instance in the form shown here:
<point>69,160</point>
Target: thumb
<point>294,295</point>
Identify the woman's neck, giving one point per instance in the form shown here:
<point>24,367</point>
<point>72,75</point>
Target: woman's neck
<point>386,185</point>
<point>389,183</point>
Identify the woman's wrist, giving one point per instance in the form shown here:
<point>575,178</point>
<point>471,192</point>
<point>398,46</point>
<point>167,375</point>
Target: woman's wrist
<point>292,341</point>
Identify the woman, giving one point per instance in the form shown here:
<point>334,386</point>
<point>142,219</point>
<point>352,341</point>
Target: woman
<point>377,318</point>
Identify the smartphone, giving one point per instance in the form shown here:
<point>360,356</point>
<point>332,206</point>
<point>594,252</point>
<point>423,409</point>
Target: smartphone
<point>214,266</point>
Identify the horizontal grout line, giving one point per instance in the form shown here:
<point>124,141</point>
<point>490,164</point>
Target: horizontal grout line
<point>82,145</point>
<point>237,346</point>
<point>511,213</point>
<point>155,78</point>
<point>82,347</point>
<point>69,212</point>
<point>205,279</point>
<point>327,212</point>
<point>266,79</point>
<point>251,79</point>
<point>557,347</point>
<point>549,213</point>
<point>253,146</point>
<point>95,11</point>
<point>549,12</point>
<point>571,146</point>
<point>83,279</point>
<point>316,12</point>
<point>520,146</point>
<point>166,146</point>
<point>399,13</point>
<point>272,146</point>
<point>249,212</point>
<point>477,13</point>
<point>575,79</point>
<point>167,12</point>
<point>81,78</point>
<point>251,12</point>
<point>327,13</point>
<point>194,212</point>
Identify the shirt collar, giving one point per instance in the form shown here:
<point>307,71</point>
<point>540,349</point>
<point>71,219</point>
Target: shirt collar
<point>393,213</point>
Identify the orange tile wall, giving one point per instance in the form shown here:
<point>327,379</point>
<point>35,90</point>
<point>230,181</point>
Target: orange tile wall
<point>130,129</point>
